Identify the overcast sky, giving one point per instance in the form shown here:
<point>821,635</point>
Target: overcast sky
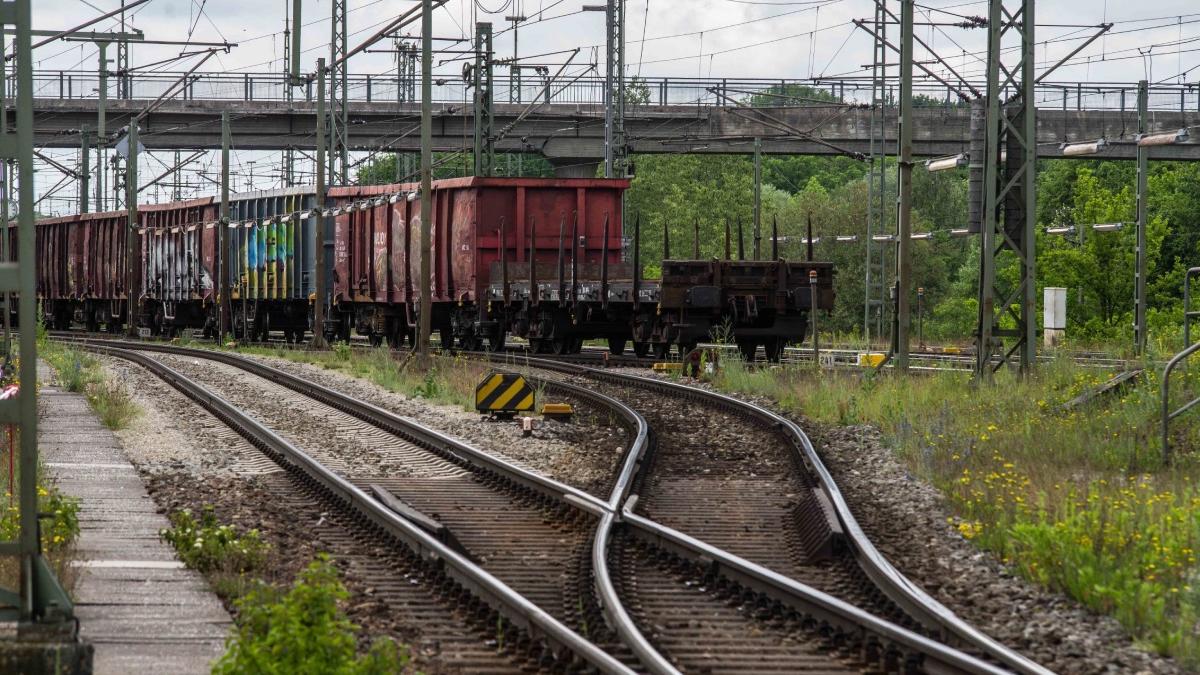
<point>719,38</point>
<point>1157,40</point>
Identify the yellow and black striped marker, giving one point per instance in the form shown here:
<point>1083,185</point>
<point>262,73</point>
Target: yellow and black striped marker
<point>503,394</point>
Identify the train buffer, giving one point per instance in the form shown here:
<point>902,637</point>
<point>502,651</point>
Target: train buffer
<point>503,395</point>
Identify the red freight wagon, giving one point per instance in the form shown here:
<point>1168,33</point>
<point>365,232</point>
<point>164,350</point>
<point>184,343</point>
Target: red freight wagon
<point>80,268</point>
<point>376,257</point>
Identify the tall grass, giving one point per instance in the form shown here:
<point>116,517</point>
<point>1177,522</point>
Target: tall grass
<point>78,371</point>
<point>445,380</point>
<point>1079,500</point>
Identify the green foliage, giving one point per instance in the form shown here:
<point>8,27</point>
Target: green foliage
<point>59,531</point>
<point>76,370</point>
<point>1078,500</point>
<point>79,372</point>
<point>303,631</point>
<point>684,193</point>
<point>208,546</point>
<point>113,403</point>
<point>382,169</point>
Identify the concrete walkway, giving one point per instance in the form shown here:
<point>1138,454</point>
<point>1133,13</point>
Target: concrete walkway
<point>139,606</point>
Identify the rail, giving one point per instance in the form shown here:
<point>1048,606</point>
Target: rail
<point>513,606</point>
<point>905,593</point>
<point>938,657</point>
<point>615,613</point>
<point>662,91</point>
<point>1165,394</point>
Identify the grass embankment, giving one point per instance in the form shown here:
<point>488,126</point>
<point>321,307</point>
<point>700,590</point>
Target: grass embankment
<point>1078,500</point>
<point>446,380</point>
<point>302,628</point>
<point>78,371</point>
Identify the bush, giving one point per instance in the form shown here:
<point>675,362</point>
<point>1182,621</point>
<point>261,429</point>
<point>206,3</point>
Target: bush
<point>74,370</point>
<point>303,631</point>
<point>113,403</point>
<point>58,531</point>
<point>208,546</point>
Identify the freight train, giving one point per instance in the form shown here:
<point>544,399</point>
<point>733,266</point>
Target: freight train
<point>545,259</point>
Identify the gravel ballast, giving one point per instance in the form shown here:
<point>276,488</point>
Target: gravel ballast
<point>583,453</point>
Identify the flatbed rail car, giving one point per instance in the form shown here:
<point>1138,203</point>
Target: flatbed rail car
<point>756,302</point>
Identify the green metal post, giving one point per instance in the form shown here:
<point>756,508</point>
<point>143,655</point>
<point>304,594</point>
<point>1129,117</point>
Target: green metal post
<point>101,131</point>
<point>1143,165</point>
<point>485,149</point>
<point>757,197</point>
<point>296,25</point>
<point>1009,195</point>
<point>131,229</point>
<point>224,302</point>
<point>426,321</point>
<point>27,400</point>
<point>84,172</point>
<point>319,210</point>
<point>904,216</point>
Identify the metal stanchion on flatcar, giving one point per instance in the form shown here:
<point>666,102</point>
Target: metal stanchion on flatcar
<point>812,312</point>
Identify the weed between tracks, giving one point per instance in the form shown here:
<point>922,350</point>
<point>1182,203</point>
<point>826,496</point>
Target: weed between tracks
<point>299,629</point>
<point>77,371</point>
<point>445,380</point>
<point>1080,500</point>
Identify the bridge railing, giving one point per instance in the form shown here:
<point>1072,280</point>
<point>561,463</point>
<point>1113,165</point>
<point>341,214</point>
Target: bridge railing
<point>655,91</point>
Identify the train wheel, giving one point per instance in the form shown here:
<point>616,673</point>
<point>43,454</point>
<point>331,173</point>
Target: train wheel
<point>774,348</point>
<point>495,341</point>
<point>662,349</point>
<point>375,339</point>
<point>395,338</point>
<point>561,345</point>
<point>641,349</point>
<point>577,345</point>
<point>616,346</point>
<point>747,346</point>
<point>471,343</point>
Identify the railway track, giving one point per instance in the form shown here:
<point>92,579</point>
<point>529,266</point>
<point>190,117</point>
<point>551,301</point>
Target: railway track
<point>741,479</point>
<point>842,357</point>
<point>464,591</point>
<point>691,605</point>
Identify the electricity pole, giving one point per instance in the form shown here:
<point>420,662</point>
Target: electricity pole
<point>1143,165</point>
<point>319,211</point>
<point>904,217</point>
<point>223,300</point>
<point>339,112</point>
<point>131,236</point>
<point>485,149</point>
<point>425,320</point>
<point>84,170</point>
<point>758,197</point>
<point>1009,193</point>
<point>101,132</point>
<point>614,90</point>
